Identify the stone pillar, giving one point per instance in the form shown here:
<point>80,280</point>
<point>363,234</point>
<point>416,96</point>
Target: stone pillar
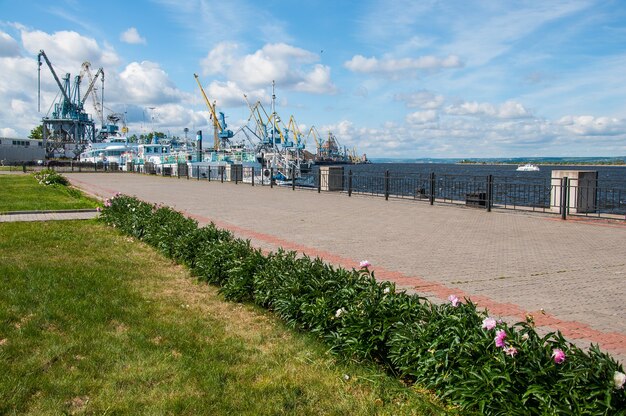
<point>233,173</point>
<point>331,178</point>
<point>581,192</point>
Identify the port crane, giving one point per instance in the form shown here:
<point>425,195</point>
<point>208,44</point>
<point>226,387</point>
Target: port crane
<point>68,128</point>
<point>220,134</point>
<point>97,103</point>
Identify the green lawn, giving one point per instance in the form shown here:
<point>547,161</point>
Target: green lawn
<point>24,193</point>
<point>95,322</point>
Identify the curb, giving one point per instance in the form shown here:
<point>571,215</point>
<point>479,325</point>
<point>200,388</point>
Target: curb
<point>59,211</point>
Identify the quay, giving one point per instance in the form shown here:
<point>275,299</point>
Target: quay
<point>570,275</point>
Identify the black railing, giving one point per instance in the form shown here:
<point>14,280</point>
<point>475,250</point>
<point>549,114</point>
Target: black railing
<point>559,196</point>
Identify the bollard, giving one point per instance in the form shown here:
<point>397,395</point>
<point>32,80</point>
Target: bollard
<point>222,173</point>
<point>293,178</point>
<point>208,175</point>
<point>271,177</point>
<point>23,167</point>
<point>350,182</point>
<point>252,169</point>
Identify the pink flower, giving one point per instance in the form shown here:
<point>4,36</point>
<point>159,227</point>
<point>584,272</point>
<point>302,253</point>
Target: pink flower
<point>558,355</point>
<point>510,351</point>
<point>489,323</point>
<point>500,337</point>
<point>365,264</point>
<point>107,202</point>
<point>454,300</point>
<point>98,209</point>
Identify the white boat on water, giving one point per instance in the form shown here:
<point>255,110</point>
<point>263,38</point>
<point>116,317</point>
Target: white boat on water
<point>528,167</point>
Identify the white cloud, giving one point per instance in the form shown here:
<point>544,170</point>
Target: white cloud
<point>401,67</point>
<point>509,109</point>
<point>132,36</point>
<point>593,126</point>
<point>220,58</point>
<point>8,46</point>
<point>291,67</point>
<point>229,94</point>
<point>68,50</point>
<point>421,99</point>
<point>422,117</point>
<point>8,132</point>
<point>147,84</point>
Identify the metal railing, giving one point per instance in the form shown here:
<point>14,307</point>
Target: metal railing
<point>557,196</point>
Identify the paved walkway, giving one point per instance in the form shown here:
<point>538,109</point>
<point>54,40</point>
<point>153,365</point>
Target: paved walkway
<point>570,275</point>
<point>48,215</point>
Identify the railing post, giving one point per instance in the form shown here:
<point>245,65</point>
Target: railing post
<point>489,192</point>
<point>386,185</point>
<point>432,188</point>
<point>252,169</point>
<point>319,181</point>
<point>350,182</point>
<point>564,199</point>
<point>271,177</point>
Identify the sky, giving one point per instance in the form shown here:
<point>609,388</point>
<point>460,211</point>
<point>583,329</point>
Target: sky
<point>393,79</point>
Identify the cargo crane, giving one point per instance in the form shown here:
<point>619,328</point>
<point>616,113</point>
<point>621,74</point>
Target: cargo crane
<point>221,135</point>
<point>69,128</point>
<point>97,103</point>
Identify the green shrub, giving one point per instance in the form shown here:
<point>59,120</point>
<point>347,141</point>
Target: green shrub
<point>50,177</point>
<point>453,349</point>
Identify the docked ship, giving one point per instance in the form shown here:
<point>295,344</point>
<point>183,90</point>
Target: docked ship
<point>330,152</point>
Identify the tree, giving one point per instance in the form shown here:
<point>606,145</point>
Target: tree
<point>36,133</point>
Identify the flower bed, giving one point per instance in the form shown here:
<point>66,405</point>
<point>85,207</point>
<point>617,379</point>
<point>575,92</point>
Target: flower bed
<point>459,352</point>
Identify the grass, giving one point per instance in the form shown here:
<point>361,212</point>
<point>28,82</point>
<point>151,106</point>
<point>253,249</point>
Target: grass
<point>94,322</point>
<point>23,192</point>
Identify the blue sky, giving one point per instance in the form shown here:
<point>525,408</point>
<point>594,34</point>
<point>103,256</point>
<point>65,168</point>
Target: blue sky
<point>393,79</point>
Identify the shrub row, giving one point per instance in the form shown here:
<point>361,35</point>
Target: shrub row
<point>465,356</point>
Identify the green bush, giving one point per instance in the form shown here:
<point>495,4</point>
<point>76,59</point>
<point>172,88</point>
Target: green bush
<point>457,351</point>
<point>50,177</point>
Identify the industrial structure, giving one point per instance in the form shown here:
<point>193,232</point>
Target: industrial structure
<point>68,128</point>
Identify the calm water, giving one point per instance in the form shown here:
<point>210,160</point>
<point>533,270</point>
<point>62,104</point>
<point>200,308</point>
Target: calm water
<point>608,176</point>
<point>456,181</point>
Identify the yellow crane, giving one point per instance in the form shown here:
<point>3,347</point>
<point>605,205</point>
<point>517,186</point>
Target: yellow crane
<point>219,124</point>
<point>318,139</point>
<point>297,134</point>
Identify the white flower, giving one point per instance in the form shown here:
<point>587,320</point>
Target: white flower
<point>365,264</point>
<point>489,323</point>
<point>619,379</point>
<point>340,312</point>
<point>387,290</point>
<point>525,337</point>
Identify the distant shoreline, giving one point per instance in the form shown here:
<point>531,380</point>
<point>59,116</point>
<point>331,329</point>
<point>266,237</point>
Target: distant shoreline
<point>615,163</point>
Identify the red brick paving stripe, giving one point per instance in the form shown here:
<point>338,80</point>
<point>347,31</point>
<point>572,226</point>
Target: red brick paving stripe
<point>570,329</point>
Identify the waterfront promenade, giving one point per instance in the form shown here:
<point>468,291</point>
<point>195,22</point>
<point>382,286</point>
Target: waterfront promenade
<point>570,275</point>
